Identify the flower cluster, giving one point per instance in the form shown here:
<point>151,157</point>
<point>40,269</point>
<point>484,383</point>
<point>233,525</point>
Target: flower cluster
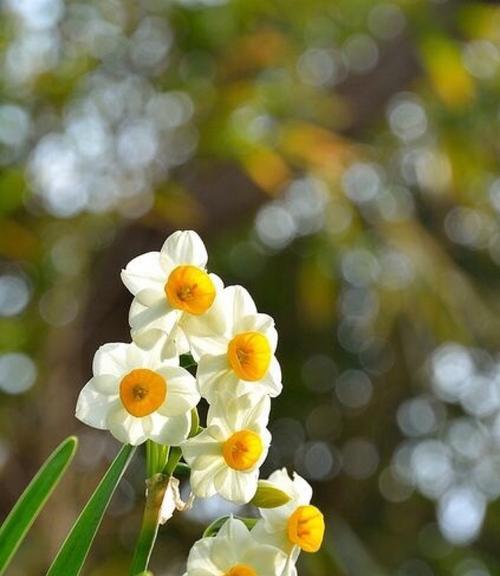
<point>140,392</point>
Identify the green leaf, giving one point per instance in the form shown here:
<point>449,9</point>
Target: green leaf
<point>268,496</point>
<point>33,499</point>
<point>71,557</point>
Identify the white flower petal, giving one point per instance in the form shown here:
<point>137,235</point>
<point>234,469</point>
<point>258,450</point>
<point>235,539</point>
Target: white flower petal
<point>150,325</point>
<point>236,486</point>
<point>206,332</point>
<point>171,431</point>
<point>264,559</point>
<point>143,272</point>
<point>272,381</point>
<point>202,482</point>
<point>276,519</point>
<point>303,489</point>
<point>236,532</point>
<point>150,297</point>
<point>199,561</point>
<point>182,392</point>
<point>257,415</point>
<point>262,323</point>
<point>238,304</point>
<point>174,344</point>
<point>214,374</point>
<point>235,413</point>
<point>106,384</point>
<point>126,428</point>
<point>234,544</point>
<point>111,359</point>
<point>262,532</point>
<point>184,247</point>
<point>92,407</point>
<point>200,446</point>
<point>142,317</point>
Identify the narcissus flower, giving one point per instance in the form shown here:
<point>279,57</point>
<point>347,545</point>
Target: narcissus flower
<point>243,359</point>
<point>225,458</point>
<point>234,552</point>
<point>137,396</point>
<point>295,526</point>
<point>173,291</point>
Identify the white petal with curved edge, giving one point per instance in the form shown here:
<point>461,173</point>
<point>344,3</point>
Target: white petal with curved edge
<point>143,272</point>
<point>171,431</point>
<point>92,407</point>
<point>184,247</point>
<point>125,427</point>
<point>274,536</point>
<point>182,392</point>
<point>229,413</point>
<point>238,304</point>
<point>231,543</point>
<point>299,491</point>
<point>106,384</point>
<point>111,359</point>
<point>174,344</point>
<point>236,486</point>
<point>265,560</point>
<point>150,297</point>
<point>257,416</point>
<point>199,446</point>
<point>199,560</point>
<point>202,484</point>
<point>303,489</point>
<point>159,316</point>
<point>219,433</point>
<point>262,323</point>
<point>214,374</point>
<point>272,381</point>
<point>290,569</point>
<point>206,332</point>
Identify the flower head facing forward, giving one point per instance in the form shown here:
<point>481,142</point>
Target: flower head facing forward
<point>295,526</point>
<point>172,291</point>
<point>234,552</point>
<point>225,458</point>
<point>242,360</point>
<point>138,396</point>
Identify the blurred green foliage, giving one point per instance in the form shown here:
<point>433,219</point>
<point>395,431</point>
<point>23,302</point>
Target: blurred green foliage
<point>342,161</point>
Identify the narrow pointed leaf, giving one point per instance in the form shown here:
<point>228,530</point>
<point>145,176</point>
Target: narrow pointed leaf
<point>33,499</point>
<point>71,557</point>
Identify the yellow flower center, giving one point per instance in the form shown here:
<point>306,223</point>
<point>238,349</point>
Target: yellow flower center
<point>242,450</point>
<point>306,527</point>
<point>249,355</point>
<point>241,570</point>
<point>142,391</point>
<point>190,289</point>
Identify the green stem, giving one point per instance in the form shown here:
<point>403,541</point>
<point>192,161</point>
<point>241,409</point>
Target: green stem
<point>173,460</point>
<point>150,521</point>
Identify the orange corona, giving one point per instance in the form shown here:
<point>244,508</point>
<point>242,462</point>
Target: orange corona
<point>241,570</point>
<point>190,289</point>
<point>249,355</point>
<point>306,527</point>
<point>142,391</point>
<point>242,450</point>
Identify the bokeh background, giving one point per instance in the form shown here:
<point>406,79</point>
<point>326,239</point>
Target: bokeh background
<point>341,160</point>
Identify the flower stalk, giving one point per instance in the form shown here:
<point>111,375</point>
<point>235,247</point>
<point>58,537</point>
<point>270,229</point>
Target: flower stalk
<point>156,487</point>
